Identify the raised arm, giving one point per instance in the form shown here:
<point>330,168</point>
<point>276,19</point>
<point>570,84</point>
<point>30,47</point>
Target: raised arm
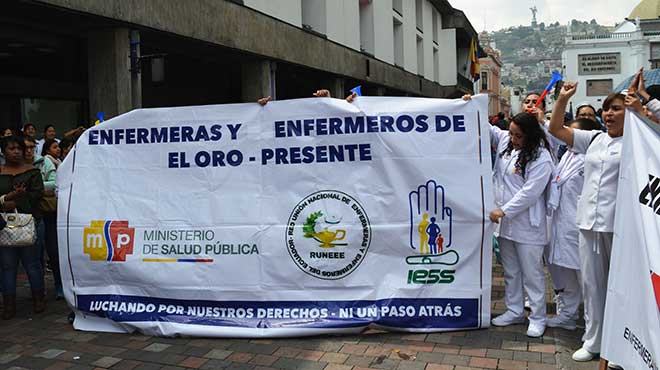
<point>557,128</point>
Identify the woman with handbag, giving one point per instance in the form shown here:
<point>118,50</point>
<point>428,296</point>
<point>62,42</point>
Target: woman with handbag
<point>21,189</point>
<point>51,154</point>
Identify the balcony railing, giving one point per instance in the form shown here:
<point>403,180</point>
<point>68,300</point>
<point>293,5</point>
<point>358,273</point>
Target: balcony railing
<point>464,82</point>
<point>605,36</point>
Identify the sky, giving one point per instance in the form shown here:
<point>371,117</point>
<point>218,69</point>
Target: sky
<point>493,15</point>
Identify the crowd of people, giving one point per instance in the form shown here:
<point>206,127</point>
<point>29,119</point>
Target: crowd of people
<point>557,207</point>
<point>555,183</point>
<point>28,185</point>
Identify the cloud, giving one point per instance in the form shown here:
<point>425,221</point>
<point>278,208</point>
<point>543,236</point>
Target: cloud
<point>497,14</point>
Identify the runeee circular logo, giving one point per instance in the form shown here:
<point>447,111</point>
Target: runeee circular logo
<point>328,234</point>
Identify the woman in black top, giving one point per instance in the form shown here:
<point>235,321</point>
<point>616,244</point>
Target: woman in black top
<point>21,188</point>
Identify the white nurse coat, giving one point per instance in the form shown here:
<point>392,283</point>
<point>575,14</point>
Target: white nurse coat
<point>597,203</point>
<point>521,199</point>
<point>563,192</point>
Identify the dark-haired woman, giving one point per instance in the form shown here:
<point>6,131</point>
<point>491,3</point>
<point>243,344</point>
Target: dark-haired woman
<point>528,106</point>
<point>51,153</point>
<point>49,134</point>
<point>562,253</point>
<point>522,170</point>
<point>21,188</point>
<point>596,206</point>
<point>66,145</point>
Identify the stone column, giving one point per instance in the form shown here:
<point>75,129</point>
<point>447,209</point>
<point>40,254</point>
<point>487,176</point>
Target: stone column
<point>258,80</point>
<point>336,87</point>
<point>109,77</point>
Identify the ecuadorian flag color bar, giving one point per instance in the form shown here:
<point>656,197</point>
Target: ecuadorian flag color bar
<point>209,260</point>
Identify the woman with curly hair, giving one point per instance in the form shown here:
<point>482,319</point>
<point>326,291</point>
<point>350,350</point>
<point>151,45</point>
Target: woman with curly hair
<point>523,168</point>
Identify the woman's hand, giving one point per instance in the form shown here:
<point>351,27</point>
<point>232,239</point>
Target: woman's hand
<point>567,91</point>
<point>641,86</point>
<point>18,190</point>
<point>495,215</point>
<point>8,205</point>
<point>633,102</point>
<point>634,83</point>
<point>323,93</point>
<point>263,101</point>
<point>538,113</point>
<point>351,97</point>
<point>467,97</point>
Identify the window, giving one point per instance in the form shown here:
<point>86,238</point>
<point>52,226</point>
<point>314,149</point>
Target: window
<point>436,65</point>
<point>398,42</point>
<point>63,114</point>
<point>484,80</point>
<point>599,87</point>
<point>435,26</point>
<point>314,16</point>
<point>367,27</point>
<point>420,56</point>
<point>397,6</point>
<point>419,14</point>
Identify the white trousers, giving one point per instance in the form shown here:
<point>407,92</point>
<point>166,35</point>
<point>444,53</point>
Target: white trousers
<point>567,281</point>
<point>523,267</point>
<point>595,251</point>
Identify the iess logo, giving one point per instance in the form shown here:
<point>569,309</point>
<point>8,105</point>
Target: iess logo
<point>430,236</point>
<point>108,240</point>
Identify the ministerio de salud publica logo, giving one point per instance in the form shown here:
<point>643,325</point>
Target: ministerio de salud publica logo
<point>430,236</point>
<point>328,234</point>
<point>107,240</point>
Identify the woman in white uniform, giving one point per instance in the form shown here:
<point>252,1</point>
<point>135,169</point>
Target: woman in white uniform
<point>562,253</point>
<point>596,206</point>
<point>522,170</point>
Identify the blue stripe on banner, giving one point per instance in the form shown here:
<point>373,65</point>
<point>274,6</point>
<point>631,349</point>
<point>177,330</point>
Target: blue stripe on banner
<point>450,313</point>
<point>108,240</point>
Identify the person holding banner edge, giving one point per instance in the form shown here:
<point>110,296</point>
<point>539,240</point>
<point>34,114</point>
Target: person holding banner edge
<point>596,205</point>
<point>523,167</point>
<point>522,170</point>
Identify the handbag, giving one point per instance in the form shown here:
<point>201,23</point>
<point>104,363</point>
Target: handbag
<point>48,203</point>
<point>20,230</point>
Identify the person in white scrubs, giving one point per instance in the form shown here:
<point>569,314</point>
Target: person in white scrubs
<point>523,168</point>
<point>596,206</point>
<point>562,253</point>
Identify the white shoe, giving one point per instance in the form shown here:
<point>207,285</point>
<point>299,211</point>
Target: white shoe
<point>507,318</point>
<point>582,355</point>
<point>559,302</point>
<point>535,330</point>
<point>561,322</point>
<point>612,365</point>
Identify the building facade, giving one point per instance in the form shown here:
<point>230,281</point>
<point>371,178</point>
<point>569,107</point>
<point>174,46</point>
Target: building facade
<point>599,63</point>
<point>62,61</point>
<point>490,79</point>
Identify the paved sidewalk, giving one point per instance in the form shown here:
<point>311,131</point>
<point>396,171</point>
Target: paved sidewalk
<point>48,341</point>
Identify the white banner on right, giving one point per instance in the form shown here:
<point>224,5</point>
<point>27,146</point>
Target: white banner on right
<point>631,333</point>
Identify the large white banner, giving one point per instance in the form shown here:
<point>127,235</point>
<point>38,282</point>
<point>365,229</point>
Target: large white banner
<point>631,333</point>
<point>297,218</point>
